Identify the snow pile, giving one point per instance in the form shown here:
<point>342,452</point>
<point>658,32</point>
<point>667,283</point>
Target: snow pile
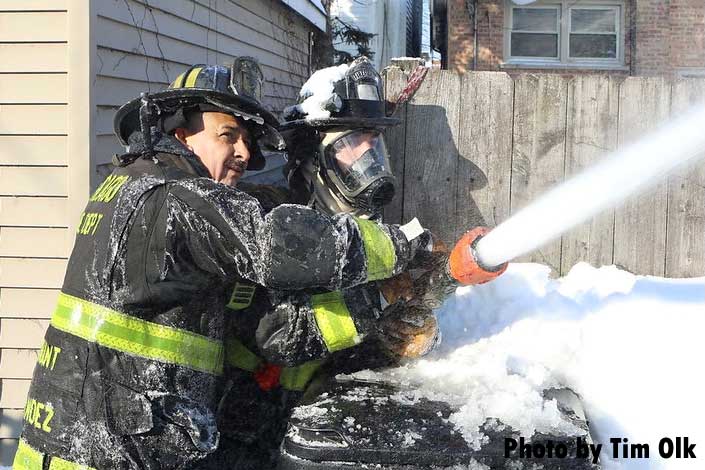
<point>318,96</point>
<point>631,346</point>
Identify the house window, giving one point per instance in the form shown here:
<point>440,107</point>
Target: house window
<point>535,32</point>
<point>565,33</point>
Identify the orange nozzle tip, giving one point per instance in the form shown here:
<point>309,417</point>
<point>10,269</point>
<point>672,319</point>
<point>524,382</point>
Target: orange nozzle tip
<point>463,264</point>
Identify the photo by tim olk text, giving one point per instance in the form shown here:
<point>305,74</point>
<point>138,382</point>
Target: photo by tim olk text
<point>618,448</point>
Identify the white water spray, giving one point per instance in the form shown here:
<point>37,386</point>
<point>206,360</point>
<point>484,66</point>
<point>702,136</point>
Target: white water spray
<point>598,188</point>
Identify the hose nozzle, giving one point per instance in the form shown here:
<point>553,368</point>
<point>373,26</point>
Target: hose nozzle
<point>464,265</point>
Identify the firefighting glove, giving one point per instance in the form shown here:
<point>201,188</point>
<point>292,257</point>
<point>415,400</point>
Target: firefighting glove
<point>408,332</point>
<point>426,283</point>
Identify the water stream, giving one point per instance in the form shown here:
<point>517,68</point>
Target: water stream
<point>627,171</point>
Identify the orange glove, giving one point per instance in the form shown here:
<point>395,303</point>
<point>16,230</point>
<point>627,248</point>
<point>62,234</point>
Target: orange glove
<point>399,287</point>
<point>411,285</point>
<point>409,332</point>
<point>463,264</point>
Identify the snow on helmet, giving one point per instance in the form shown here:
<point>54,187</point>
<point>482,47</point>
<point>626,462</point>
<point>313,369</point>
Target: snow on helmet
<point>337,152</point>
<point>342,96</point>
<point>236,90</point>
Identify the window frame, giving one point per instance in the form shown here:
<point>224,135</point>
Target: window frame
<point>564,30</point>
<point>557,32</point>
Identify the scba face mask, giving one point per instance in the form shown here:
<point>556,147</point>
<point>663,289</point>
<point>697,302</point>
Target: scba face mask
<point>356,162</point>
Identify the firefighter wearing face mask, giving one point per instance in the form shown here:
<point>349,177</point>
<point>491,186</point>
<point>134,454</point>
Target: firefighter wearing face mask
<point>340,164</point>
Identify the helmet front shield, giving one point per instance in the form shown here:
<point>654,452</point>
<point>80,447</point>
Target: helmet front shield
<point>246,78</point>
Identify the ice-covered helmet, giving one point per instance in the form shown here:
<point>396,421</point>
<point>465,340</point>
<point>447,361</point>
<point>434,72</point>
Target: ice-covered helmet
<point>335,141</point>
<point>235,90</point>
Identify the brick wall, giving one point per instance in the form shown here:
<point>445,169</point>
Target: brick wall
<point>460,45</point>
<point>652,37</point>
<point>490,26</point>
<point>668,35</point>
<point>688,33</point>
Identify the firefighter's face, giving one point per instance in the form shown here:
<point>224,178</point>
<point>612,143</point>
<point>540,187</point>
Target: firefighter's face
<point>221,142</point>
<point>348,153</point>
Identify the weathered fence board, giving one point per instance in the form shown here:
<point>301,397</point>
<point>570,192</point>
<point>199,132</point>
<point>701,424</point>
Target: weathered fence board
<point>593,104</point>
<point>538,155</point>
<point>685,232</point>
<point>430,169</point>
<point>486,150</point>
<point>395,79</point>
<point>518,138</point>
<point>640,223</point>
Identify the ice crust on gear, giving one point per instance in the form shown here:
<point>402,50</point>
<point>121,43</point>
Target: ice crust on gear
<point>317,94</point>
<point>627,344</point>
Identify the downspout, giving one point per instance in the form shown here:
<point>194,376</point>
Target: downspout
<point>632,38</point>
<point>474,35</point>
<point>472,10</point>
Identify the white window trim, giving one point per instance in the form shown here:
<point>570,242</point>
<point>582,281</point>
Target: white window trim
<point>564,61</point>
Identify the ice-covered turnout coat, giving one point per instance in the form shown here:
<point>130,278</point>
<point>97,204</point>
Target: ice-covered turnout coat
<point>277,342</point>
<point>129,372</point>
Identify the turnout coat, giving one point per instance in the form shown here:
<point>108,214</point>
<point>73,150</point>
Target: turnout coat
<point>129,375</point>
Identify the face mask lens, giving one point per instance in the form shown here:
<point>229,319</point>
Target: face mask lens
<point>358,159</point>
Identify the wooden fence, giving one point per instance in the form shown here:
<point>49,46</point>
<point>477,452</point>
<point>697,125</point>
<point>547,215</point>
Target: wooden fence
<point>474,148</point>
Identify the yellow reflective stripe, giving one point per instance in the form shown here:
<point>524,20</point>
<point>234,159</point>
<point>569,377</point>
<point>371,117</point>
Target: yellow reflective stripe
<point>296,378</point>
<point>178,81</point>
<point>57,463</point>
<point>242,296</point>
<point>334,321</point>
<point>122,332</point>
<point>379,250</point>
<point>237,355</point>
<point>28,458</point>
<point>291,378</point>
<point>192,76</point>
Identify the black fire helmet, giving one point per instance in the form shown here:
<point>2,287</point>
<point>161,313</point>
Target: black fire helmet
<point>236,90</point>
<point>357,101</point>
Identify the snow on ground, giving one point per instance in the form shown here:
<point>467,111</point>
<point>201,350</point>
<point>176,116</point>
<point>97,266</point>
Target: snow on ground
<point>631,346</point>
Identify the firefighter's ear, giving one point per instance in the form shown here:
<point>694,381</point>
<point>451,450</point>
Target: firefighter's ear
<point>181,135</point>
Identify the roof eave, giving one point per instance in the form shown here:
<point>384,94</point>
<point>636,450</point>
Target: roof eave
<point>312,10</point>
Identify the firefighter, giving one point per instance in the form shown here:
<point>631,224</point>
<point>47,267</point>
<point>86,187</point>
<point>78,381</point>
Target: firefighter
<point>282,339</point>
<point>340,164</point>
<point>134,353</point>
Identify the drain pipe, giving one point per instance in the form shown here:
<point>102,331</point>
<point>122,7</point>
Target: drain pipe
<point>474,34</point>
<point>472,9</point>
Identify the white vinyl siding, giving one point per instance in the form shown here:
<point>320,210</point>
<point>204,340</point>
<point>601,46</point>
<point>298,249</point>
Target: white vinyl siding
<point>34,191</point>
